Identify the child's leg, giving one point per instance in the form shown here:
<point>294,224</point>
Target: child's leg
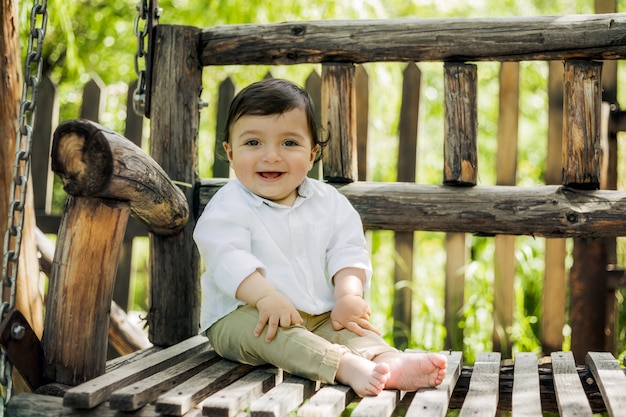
<point>408,371</point>
<point>297,351</point>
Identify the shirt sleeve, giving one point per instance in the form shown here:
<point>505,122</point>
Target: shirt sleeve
<point>223,241</point>
<point>348,247</point>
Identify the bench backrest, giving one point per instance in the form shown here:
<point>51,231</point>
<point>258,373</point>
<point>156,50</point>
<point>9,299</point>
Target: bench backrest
<point>180,53</point>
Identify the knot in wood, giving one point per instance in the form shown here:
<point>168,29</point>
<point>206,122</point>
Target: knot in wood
<point>572,217</point>
<point>298,30</point>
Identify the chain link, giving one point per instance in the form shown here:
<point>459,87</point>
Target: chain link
<point>143,13</point>
<point>21,169</point>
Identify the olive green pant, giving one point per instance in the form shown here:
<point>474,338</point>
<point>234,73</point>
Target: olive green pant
<point>311,350</point>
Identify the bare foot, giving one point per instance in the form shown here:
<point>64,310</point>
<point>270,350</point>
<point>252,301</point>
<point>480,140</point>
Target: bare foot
<point>410,371</point>
<point>364,376</point>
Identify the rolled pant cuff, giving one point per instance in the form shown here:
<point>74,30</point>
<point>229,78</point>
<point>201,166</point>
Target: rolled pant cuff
<point>330,364</point>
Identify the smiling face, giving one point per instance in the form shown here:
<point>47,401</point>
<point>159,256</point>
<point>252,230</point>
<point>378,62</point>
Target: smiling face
<point>272,154</point>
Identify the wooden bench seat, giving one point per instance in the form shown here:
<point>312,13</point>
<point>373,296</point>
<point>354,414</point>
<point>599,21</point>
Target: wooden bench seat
<point>189,379</point>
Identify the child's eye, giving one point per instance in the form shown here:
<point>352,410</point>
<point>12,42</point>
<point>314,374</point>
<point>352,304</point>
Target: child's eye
<point>290,142</point>
<point>251,142</point>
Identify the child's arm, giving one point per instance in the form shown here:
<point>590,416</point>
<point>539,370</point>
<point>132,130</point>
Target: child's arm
<point>351,311</point>
<point>274,308</point>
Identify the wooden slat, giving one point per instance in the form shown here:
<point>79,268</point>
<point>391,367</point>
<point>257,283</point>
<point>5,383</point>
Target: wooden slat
<point>407,124</point>
<point>548,211</point>
<point>460,124</point>
<point>407,162</point>
<point>135,396</point>
<point>33,405</point>
<point>133,130</point>
<point>238,396</point>
<point>283,398</point>
<point>174,121</point>
<point>313,86</point>
<point>221,167</point>
<point>124,336</point>
<point>472,39</point>
<point>122,361</point>
<point>482,396</point>
<point>97,390</point>
<point>587,294</point>
<point>526,401</point>
<point>506,174</point>
<point>555,278</point>
<point>93,99</point>
<point>47,117</point>
<point>339,121</point>
<point>433,402</point>
<point>611,381</point>
<point>179,400</point>
<point>381,405</point>
<point>570,395</point>
<point>330,401</point>
<point>582,98</point>
<point>361,85</point>
<point>458,252</point>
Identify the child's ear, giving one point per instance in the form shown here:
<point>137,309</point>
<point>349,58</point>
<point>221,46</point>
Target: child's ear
<point>228,150</point>
<point>314,152</point>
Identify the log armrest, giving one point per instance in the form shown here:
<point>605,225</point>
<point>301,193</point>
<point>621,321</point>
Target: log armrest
<point>93,161</point>
<point>107,179</point>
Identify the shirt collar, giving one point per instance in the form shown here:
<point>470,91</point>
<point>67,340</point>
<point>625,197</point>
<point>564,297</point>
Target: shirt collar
<point>305,190</point>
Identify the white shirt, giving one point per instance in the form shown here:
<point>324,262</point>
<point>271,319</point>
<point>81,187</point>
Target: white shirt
<point>298,249</point>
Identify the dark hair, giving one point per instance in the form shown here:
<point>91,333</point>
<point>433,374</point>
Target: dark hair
<point>273,96</point>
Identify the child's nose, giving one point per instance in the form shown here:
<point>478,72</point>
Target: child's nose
<point>272,154</point>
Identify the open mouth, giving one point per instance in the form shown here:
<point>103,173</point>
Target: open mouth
<point>270,175</point>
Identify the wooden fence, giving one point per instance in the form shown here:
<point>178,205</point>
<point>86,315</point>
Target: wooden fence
<point>554,306</point>
<point>555,279</point>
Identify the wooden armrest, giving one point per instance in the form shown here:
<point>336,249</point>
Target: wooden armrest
<point>93,161</point>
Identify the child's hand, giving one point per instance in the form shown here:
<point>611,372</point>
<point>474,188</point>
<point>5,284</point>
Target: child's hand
<point>275,310</point>
<point>353,313</point>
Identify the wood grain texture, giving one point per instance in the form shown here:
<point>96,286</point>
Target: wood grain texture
<point>329,401</point>
<point>381,405</point>
<point>135,396</point>
<point>611,380</point>
<point>238,396</point>
<point>187,395</point>
<point>98,390</point>
<point>582,98</point>
<point>482,396</point>
<point>339,123</point>
<point>94,161</point>
<point>460,124</point>
<point>549,211</point>
<point>526,397</point>
<point>471,39</point>
<point>83,274</point>
<point>283,398</point>
<point>570,395</point>
<point>174,111</point>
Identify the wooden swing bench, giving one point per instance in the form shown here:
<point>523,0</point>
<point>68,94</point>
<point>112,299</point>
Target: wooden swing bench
<point>189,379</point>
<point>108,179</point>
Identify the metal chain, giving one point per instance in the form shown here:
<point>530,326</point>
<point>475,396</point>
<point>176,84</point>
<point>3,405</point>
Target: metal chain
<point>21,169</point>
<point>143,13</point>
